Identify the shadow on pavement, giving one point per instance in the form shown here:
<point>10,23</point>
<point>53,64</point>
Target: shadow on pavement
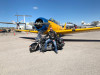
<point>81,40</point>
<point>69,40</point>
<point>31,38</point>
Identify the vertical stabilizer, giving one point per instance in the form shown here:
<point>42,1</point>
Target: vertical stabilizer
<point>64,26</point>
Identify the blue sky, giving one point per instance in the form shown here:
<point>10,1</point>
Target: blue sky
<point>61,10</point>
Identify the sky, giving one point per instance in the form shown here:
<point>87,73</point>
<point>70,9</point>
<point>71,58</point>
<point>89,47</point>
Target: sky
<point>63,11</point>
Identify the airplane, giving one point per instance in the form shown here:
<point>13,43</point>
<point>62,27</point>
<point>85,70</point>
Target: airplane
<point>16,23</point>
<point>20,25</point>
<point>25,25</point>
<point>43,25</point>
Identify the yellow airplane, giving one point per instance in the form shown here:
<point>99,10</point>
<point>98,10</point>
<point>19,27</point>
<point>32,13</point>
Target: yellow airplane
<point>43,25</point>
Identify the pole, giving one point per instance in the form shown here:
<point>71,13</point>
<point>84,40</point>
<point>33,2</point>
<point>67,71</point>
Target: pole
<point>17,18</point>
<point>24,19</point>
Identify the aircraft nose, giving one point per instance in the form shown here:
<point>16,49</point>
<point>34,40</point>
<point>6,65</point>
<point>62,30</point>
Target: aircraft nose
<point>41,24</point>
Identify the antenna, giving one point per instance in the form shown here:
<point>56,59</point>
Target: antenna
<point>23,16</point>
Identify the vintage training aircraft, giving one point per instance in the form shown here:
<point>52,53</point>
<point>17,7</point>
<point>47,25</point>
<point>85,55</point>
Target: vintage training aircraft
<point>43,25</point>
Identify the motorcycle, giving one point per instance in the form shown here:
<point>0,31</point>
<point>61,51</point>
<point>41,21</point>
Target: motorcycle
<point>40,44</point>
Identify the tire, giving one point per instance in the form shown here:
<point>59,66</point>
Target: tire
<point>34,47</point>
<point>59,48</point>
<point>42,49</point>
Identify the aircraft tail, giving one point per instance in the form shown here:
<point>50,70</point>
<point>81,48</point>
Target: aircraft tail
<point>64,27</point>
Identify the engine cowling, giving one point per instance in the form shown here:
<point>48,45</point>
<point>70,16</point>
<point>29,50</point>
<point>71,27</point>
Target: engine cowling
<point>39,26</point>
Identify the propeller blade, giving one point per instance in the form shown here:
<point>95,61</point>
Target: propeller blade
<point>40,24</point>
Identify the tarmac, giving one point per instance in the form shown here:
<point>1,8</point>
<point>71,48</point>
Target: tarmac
<point>80,55</point>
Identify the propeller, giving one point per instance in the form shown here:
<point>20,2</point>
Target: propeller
<point>40,24</point>
<point>37,23</point>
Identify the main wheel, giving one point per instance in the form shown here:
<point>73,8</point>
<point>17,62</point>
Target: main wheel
<point>33,47</point>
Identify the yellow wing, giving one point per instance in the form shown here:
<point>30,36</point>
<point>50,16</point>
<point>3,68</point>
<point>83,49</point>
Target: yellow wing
<point>64,27</point>
<point>76,30</point>
<point>66,31</point>
<point>32,31</point>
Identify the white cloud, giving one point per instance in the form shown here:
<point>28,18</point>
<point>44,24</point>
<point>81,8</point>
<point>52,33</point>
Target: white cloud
<point>35,8</point>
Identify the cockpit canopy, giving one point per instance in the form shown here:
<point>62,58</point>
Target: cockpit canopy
<point>51,19</point>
